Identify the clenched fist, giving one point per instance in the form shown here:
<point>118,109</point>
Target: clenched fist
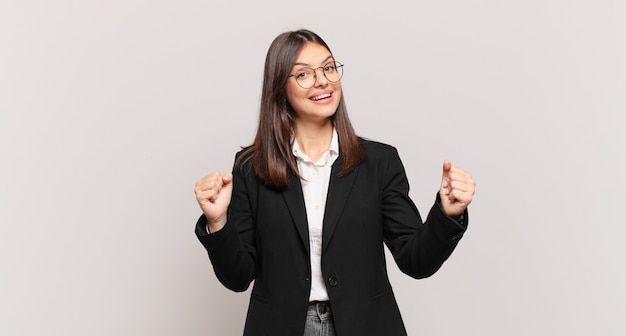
<point>457,189</point>
<point>213,193</point>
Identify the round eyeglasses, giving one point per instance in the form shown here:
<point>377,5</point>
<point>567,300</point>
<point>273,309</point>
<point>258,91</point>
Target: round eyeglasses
<point>306,77</point>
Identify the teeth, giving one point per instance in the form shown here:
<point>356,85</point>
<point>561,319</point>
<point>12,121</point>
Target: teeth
<point>322,96</point>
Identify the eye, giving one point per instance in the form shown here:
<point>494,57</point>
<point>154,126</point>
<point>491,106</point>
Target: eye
<point>303,74</point>
<point>330,68</point>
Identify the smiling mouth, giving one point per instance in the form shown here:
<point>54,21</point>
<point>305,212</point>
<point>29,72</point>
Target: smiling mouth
<point>320,97</point>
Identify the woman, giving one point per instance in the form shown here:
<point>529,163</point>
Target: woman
<point>309,205</point>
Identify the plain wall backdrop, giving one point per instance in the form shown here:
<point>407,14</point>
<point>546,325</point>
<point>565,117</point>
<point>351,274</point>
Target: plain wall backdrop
<point>111,110</point>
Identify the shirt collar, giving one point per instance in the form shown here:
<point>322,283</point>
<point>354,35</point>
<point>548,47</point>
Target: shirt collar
<point>333,150</point>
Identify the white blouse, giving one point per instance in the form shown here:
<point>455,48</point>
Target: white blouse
<point>315,180</point>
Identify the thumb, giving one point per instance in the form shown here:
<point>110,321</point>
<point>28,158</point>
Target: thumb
<point>226,189</point>
<point>445,178</point>
<point>227,180</point>
<point>447,165</point>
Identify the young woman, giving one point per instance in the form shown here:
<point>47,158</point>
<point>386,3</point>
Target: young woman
<point>309,204</point>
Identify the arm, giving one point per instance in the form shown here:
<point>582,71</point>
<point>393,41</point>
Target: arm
<point>419,248</point>
<point>230,245</point>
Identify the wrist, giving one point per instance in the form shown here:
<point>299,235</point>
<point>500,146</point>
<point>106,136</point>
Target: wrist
<point>214,226</point>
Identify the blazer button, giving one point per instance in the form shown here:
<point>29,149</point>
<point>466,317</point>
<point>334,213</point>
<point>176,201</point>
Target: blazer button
<point>332,281</point>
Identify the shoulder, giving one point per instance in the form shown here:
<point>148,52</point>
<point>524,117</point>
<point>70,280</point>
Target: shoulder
<point>244,151</point>
<point>244,161</point>
<point>375,149</point>
<point>382,161</point>
<point>380,156</point>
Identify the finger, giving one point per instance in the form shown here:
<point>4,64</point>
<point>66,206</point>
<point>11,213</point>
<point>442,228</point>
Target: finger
<point>225,186</point>
<point>447,165</point>
<point>206,190</point>
<point>205,186</point>
<point>450,197</point>
<point>227,178</point>
<point>444,189</point>
<point>462,198</point>
<point>208,196</point>
<point>460,175</point>
<point>221,184</point>
<point>208,187</point>
<point>206,180</point>
<point>462,186</point>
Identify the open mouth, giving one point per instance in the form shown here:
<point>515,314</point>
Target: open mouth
<point>321,96</point>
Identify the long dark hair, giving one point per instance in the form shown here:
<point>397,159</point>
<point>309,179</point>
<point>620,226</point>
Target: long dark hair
<point>271,154</point>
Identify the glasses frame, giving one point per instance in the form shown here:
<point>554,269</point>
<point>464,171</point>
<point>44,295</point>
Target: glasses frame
<point>337,66</point>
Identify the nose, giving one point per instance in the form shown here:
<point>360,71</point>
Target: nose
<point>320,79</point>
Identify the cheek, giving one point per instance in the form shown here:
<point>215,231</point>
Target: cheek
<point>293,101</point>
<point>337,94</point>
<point>293,95</point>
<point>337,88</point>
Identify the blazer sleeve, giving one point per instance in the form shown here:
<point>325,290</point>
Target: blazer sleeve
<point>419,248</point>
<point>232,249</point>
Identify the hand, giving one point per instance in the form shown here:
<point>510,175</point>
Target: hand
<point>457,189</point>
<point>213,193</point>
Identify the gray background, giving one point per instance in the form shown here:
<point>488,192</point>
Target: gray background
<point>111,110</point>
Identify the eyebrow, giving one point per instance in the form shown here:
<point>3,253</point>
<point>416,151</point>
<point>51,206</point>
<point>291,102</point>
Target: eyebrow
<point>326,59</point>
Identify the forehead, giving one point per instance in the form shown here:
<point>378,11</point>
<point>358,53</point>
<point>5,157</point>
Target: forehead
<point>312,54</point>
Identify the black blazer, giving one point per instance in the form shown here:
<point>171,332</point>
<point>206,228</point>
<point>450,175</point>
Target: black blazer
<point>266,239</point>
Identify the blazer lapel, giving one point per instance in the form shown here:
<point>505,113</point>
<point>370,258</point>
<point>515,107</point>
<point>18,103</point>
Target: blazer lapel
<point>338,191</point>
<point>294,199</point>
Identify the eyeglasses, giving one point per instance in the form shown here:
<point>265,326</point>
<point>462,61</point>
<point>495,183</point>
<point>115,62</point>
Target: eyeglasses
<point>306,77</point>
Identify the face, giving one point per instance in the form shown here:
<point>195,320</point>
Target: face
<point>318,103</point>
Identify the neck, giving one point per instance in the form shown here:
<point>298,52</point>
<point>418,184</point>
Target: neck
<point>314,139</point>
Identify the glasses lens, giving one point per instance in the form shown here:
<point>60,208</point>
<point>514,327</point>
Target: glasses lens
<point>333,71</point>
<point>306,78</point>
